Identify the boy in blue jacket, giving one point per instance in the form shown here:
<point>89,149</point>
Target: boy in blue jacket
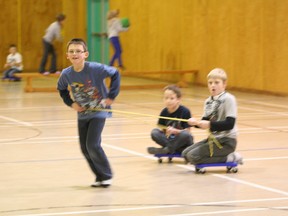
<point>90,95</point>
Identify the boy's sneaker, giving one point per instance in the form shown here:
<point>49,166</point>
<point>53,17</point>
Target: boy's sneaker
<point>96,184</point>
<point>106,183</point>
<point>235,157</point>
<point>46,73</point>
<point>58,72</point>
<point>153,150</point>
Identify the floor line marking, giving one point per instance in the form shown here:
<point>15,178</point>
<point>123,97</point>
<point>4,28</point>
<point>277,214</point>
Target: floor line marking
<point>239,201</point>
<point>104,210</point>
<point>220,212</point>
<point>216,175</point>
<point>241,182</point>
<point>252,184</point>
<point>175,206</point>
<point>16,121</point>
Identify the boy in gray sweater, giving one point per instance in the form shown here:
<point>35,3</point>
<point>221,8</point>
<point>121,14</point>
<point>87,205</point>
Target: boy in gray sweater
<point>220,114</point>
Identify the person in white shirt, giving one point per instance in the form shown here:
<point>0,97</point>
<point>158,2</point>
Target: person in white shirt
<point>13,64</point>
<point>53,32</point>
<point>114,28</point>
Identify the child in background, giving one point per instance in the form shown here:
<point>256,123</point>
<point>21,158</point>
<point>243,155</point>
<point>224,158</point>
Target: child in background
<point>220,115</point>
<point>172,135</point>
<point>114,28</point>
<point>13,64</point>
<point>53,32</point>
<point>87,84</point>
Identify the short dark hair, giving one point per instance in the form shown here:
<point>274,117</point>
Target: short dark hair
<point>175,89</point>
<point>77,41</point>
<point>60,17</point>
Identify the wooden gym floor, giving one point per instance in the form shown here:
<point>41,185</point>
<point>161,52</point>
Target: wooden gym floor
<point>43,172</point>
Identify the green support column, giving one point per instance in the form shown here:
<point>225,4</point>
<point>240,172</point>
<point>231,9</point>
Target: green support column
<point>98,44</point>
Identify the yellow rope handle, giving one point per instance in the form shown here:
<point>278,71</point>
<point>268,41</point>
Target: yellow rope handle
<point>211,147</point>
<point>211,141</point>
<point>140,114</point>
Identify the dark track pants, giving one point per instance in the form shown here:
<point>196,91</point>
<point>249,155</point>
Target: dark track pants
<point>90,131</point>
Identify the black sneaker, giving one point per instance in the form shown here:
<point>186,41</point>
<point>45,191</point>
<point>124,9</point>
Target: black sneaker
<point>153,150</point>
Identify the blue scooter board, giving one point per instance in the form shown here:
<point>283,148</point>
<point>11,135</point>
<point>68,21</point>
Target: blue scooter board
<point>230,166</point>
<point>169,156</point>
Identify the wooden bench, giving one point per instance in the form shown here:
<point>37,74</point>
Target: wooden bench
<point>29,81</point>
<point>181,80</point>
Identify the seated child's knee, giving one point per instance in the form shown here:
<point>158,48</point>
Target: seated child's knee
<point>192,158</point>
<point>155,132</point>
<point>185,134</point>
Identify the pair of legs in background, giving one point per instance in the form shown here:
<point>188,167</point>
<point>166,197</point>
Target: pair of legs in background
<point>48,49</point>
<point>9,74</point>
<point>115,41</point>
<point>200,152</point>
<point>90,131</point>
<point>170,145</point>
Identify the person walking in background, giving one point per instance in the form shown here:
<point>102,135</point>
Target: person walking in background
<point>53,32</point>
<point>114,28</point>
<point>86,80</point>
<point>13,64</point>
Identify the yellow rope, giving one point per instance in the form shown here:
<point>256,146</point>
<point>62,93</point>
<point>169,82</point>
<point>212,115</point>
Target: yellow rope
<point>212,140</point>
<point>140,114</point>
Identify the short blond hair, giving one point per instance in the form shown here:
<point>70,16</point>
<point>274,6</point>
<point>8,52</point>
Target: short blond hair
<point>111,14</point>
<point>217,73</point>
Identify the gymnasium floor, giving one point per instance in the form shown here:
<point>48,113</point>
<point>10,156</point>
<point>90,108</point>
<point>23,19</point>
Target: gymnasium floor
<point>43,172</point>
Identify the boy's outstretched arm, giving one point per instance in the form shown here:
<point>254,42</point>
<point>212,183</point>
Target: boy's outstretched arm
<point>227,124</point>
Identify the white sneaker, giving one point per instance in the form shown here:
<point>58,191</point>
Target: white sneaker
<point>106,183</point>
<point>238,158</point>
<point>235,157</point>
<point>96,184</point>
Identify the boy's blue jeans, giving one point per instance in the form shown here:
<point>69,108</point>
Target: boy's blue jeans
<point>90,131</point>
<point>10,73</point>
